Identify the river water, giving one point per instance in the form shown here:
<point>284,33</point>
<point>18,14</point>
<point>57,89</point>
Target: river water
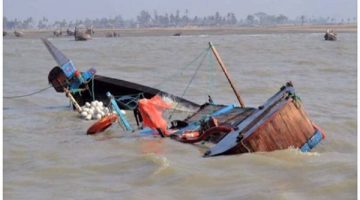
<point>47,154</point>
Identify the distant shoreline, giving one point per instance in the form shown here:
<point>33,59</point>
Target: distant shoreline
<point>341,28</point>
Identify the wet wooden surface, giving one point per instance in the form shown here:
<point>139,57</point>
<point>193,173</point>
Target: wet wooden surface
<point>289,126</point>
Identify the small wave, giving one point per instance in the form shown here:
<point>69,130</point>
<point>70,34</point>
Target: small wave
<point>202,36</point>
<point>162,163</point>
<point>287,157</point>
<point>292,152</point>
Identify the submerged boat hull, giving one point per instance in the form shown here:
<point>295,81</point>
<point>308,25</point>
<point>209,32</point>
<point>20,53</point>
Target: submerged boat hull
<point>129,91</point>
<point>287,127</point>
<point>86,86</point>
<point>278,124</point>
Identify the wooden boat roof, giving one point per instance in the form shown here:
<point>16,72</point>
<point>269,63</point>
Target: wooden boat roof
<point>232,116</point>
<point>252,121</point>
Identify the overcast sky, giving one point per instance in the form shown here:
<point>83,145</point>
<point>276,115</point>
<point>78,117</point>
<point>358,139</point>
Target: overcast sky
<point>129,9</point>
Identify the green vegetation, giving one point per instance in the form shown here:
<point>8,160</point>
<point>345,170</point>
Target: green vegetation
<point>147,19</point>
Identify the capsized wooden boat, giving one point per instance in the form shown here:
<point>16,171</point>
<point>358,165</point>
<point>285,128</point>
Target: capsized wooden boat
<point>86,86</point>
<point>280,123</point>
<point>128,93</point>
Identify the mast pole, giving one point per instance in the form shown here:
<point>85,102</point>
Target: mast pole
<point>222,65</point>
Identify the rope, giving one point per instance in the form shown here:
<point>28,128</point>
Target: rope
<point>92,88</point>
<point>193,76</point>
<point>92,91</point>
<point>296,99</point>
<point>246,147</point>
<point>190,81</point>
<point>25,95</point>
<point>131,98</point>
<point>74,91</point>
<point>181,70</point>
<point>211,73</point>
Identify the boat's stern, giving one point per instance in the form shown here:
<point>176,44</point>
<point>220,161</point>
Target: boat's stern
<point>281,122</point>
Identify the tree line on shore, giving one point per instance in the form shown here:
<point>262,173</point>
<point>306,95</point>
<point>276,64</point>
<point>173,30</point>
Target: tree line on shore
<point>146,19</point>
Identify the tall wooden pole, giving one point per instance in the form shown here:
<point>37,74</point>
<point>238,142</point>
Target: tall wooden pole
<point>222,65</point>
<point>68,94</point>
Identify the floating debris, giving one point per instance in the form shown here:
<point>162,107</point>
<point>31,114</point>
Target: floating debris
<point>95,110</point>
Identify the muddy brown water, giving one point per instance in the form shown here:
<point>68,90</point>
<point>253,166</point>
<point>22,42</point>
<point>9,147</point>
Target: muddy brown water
<point>47,154</point>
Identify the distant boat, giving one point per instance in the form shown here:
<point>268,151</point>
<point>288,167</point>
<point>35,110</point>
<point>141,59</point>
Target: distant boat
<point>57,33</point>
<point>112,34</point>
<point>5,33</point>
<point>177,34</point>
<point>82,33</point>
<point>330,35</point>
<point>70,32</point>
<point>18,33</point>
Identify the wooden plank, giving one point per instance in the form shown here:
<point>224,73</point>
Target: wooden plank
<point>309,126</point>
<point>271,132</point>
<point>252,142</point>
<point>297,123</point>
<point>295,127</point>
<point>289,126</point>
<point>262,142</point>
<point>306,127</point>
<point>279,130</point>
<point>240,148</point>
<point>300,123</point>
<point>285,129</point>
<point>269,136</point>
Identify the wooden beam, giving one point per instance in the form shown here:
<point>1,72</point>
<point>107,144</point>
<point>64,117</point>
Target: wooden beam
<point>222,65</point>
<point>68,94</point>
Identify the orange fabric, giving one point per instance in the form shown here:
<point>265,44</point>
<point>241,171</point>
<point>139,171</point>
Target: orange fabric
<point>151,111</point>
